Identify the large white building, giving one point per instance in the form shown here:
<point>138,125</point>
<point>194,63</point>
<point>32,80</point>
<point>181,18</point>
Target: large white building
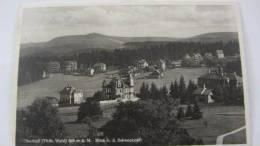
<point>119,88</point>
<point>141,64</point>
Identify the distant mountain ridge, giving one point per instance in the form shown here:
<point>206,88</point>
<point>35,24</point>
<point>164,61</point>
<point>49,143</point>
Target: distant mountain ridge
<point>93,41</point>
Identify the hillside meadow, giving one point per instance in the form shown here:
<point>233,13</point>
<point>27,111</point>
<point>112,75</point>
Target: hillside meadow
<point>52,85</point>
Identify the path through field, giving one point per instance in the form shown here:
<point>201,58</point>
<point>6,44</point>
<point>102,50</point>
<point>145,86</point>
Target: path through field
<point>221,137</point>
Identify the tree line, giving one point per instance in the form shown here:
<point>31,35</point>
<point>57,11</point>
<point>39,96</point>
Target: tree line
<point>177,90</point>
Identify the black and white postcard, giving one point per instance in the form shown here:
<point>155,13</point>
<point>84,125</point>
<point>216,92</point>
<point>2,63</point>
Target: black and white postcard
<point>145,74</point>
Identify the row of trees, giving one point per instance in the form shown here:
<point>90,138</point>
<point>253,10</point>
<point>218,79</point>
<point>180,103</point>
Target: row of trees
<point>177,90</point>
<point>229,95</point>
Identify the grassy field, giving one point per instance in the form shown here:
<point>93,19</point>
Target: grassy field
<point>51,86</point>
<point>80,130</point>
<point>237,138</point>
<point>220,120</point>
<point>217,124</point>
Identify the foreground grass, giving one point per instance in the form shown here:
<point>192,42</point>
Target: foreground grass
<point>237,138</point>
<point>217,124</point>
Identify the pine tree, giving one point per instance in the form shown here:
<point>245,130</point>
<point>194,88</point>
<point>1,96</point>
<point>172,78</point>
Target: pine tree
<point>180,113</point>
<point>154,92</point>
<point>197,114</point>
<point>189,111</point>
<point>174,90</point>
<point>182,89</point>
<point>189,93</point>
<point>144,91</point>
<point>163,92</point>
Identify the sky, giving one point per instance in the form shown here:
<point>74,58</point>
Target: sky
<point>45,23</point>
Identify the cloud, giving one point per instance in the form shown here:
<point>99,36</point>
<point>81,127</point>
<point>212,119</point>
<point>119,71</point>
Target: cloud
<point>45,23</point>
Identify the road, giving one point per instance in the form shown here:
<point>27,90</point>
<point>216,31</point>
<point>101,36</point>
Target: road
<point>221,137</point>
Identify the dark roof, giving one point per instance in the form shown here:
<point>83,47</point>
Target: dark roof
<point>69,90</point>
<point>202,91</point>
<point>113,82</point>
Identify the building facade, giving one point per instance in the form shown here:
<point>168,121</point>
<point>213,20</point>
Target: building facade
<point>100,67</point>
<point>70,95</point>
<point>141,64</point>
<point>119,88</point>
<point>90,71</point>
<point>69,66</point>
<point>53,67</point>
<point>220,54</point>
<point>203,95</point>
<point>176,63</point>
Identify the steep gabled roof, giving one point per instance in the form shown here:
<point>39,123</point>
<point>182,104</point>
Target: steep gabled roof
<point>202,91</point>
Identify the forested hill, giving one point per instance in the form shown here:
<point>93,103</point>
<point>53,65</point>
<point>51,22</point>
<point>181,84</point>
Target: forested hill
<point>85,43</point>
<point>31,67</point>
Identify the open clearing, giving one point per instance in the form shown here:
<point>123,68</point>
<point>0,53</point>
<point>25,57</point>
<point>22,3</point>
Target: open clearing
<point>80,130</point>
<point>51,86</point>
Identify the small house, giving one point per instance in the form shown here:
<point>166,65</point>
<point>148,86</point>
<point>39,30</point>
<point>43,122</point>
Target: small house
<point>70,95</point>
<point>100,67</point>
<point>203,95</point>
<point>90,71</point>
<point>176,63</point>
<point>141,64</point>
<point>220,54</point>
<point>196,59</point>
<point>157,74</point>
